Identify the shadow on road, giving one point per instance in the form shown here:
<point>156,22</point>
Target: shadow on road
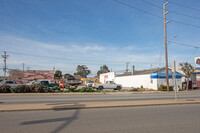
<point>66,120</point>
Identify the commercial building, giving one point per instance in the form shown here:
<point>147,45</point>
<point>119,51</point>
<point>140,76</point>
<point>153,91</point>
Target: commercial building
<point>149,79</point>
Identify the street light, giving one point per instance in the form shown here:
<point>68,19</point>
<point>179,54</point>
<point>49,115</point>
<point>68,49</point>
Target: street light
<point>171,38</point>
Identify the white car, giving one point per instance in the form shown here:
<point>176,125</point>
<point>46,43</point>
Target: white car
<point>108,85</point>
<point>11,83</point>
<point>89,83</point>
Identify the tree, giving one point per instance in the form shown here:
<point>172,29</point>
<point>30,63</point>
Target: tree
<point>58,74</point>
<point>82,70</point>
<point>16,74</point>
<point>69,76</point>
<point>188,69</point>
<point>103,69</point>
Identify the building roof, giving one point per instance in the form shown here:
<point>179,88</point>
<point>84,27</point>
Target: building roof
<point>141,72</point>
<point>77,77</point>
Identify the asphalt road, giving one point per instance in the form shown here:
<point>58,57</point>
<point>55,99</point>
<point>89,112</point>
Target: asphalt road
<point>149,119</point>
<point>58,99</point>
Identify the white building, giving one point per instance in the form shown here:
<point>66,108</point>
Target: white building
<point>150,79</point>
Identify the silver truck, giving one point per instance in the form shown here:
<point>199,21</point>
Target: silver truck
<point>107,85</point>
<point>11,83</point>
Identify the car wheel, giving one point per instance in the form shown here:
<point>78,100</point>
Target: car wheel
<point>100,88</point>
<point>118,88</point>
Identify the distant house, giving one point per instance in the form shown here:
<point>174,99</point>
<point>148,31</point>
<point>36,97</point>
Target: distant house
<point>150,78</point>
<point>31,75</point>
<point>77,77</point>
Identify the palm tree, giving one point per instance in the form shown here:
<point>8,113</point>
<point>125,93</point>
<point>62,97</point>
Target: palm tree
<point>188,69</point>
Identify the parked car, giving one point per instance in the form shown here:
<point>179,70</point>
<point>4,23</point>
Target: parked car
<point>107,85</point>
<point>46,83</point>
<point>11,83</point>
<point>89,83</point>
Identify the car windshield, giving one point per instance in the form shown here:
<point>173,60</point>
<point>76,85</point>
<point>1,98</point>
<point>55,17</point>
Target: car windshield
<point>2,82</point>
<point>90,81</point>
<point>111,82</point>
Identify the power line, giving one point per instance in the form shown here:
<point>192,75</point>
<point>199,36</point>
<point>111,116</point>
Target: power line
<point>184,6</point>
<point>75,59</point>
<point>184,44</point>
<point>130,6</point>
<point>138,9</point>
<point>191,25</point>
<point>171,11</point>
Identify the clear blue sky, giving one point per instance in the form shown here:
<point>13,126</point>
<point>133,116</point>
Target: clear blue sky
<point>65,33</point>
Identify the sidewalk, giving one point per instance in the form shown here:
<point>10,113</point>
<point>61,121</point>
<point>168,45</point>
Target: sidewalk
<point>101,93</point>
<point>90,105</point>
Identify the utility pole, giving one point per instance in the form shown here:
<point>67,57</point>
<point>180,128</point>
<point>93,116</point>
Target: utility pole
<point>23,70</point>
<point>127,66</point>
<point>23,66</point>
<point>5,56</point>
<point>165,31</point>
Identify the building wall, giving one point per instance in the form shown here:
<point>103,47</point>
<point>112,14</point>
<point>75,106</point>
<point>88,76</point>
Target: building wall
<point>137,81</point>
<point>149,81</point>
<point>107,77</point>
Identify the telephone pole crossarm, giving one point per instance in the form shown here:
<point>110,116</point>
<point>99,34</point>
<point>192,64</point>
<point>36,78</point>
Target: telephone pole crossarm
<point>5,56</point>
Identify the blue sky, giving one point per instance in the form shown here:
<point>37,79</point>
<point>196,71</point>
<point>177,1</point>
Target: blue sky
<point>65,33</point>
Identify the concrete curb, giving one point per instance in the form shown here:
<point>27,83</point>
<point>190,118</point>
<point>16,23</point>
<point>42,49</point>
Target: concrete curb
<point>92,105</point>
<point>98,93</point>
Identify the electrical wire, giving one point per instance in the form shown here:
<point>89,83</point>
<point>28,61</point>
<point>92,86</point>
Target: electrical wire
<point>155,14</point>
<point>184,6</point>
<point>171,11</point>
<point>184,44</point>
<point>75,59</point>
<point>137,9</point>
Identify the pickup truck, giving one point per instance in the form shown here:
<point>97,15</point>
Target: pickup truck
<point>46,83</point>
<point>11,83</point>
<point>107,85</point>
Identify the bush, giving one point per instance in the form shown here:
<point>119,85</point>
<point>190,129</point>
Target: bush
<point>5,89</point>
<point>71,88</point>
<point>164,88</point>
<point>134,89</point>
<point>86,89</point>
<point>54,89</point>
<point>37,88</point>
<point>47,89</point>
<point>22,89</point>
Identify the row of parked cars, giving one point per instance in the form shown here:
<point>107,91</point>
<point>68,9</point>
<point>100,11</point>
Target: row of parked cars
<point>95,85</point>
<point>14,84</point>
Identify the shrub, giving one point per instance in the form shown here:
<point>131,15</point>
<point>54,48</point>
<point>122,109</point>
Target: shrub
<point>134,89</point>
<point>71,88</point>
<point>164,88</point>
<point>86,89</point>
<point>47,89</point>
<point>141,87</point>
<point>37,88</point>
<point>21,89</point>
<point>5,89</point>
<point>54,89</point>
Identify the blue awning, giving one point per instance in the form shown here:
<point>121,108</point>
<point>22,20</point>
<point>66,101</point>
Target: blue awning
<point>163,76</point>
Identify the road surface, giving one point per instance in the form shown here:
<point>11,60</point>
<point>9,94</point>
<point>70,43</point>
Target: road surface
<point>149,119</point>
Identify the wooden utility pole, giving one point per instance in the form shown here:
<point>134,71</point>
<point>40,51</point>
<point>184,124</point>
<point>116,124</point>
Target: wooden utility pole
<point>165,31</point>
